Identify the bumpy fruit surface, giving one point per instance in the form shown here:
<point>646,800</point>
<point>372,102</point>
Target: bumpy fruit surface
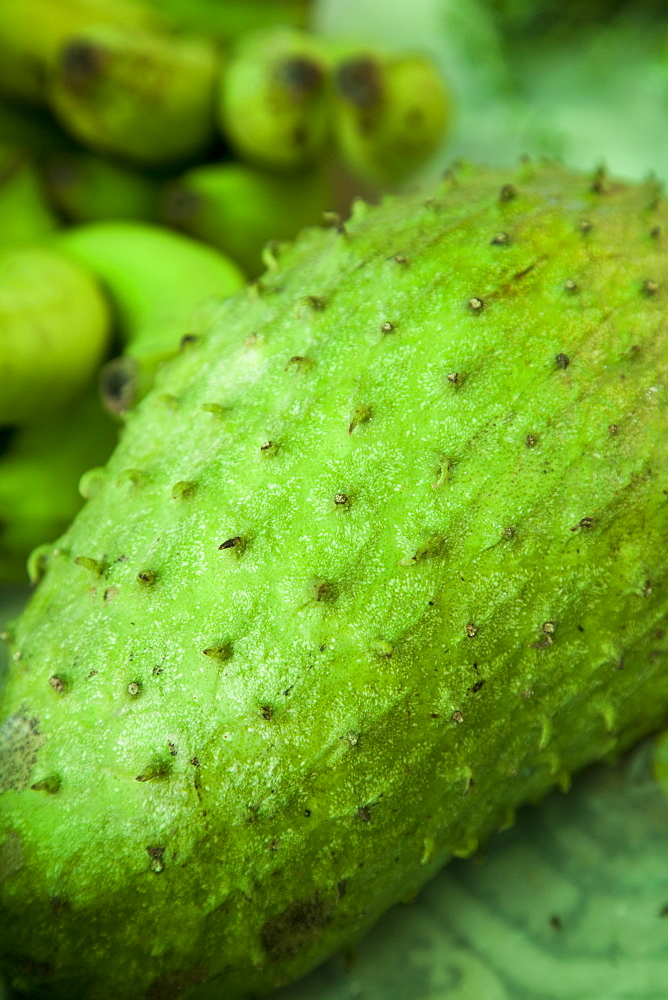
<point>379,558</point>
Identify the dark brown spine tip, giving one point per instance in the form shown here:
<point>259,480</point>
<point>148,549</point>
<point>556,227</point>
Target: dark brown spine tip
<point>613,428</point>
<point>156,855</point>
<point>650,287</point>
<point>188,340</point>
<point>399,258</point>
<point>570,286</point>
<point>471,630</point>
<point>183,489</point>
<point>300,362</point>
<point>584,522</point>
<point>134,689</point>
<point>51,784</point>
<point>316,302</point>
<point>531,440</point>
<point>341,499</point>
<point>585,226</point>
<point>562,361</point>
<point>220,653</point>
<point>387,327</point>
<point>500,240</point>
<point>360,415</point>
<point>457,717</point>
<point>268,449</point>
<point>598,184</point>
<point>266,711</point>
<point>59,684</point>
<point>119,384</point>
<point>147,577</point>
<point>475,304</point>
<point>507,192</point>
<point>655,232</point>
<point>237,543</point>
<point>454,378</point>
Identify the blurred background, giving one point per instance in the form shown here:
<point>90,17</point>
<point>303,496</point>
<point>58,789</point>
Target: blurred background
<point>152,157</point>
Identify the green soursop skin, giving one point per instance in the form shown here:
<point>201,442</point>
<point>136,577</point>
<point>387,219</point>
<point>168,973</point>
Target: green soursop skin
<point>378,559</point>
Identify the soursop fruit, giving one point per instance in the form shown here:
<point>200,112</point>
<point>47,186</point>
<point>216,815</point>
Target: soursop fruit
<point>378,558</point>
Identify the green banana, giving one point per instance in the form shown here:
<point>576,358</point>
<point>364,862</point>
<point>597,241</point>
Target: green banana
<point>32,32</point>
<point>39,472</point>
<point>232,18</point>
<point>87,188</point>
<point>239,208</point>
<point>25,216</point>
<point>54,332</point>
<point>146,97</point>
<point>272,104</point>
<point>390,113</point>
<point>155,279</point>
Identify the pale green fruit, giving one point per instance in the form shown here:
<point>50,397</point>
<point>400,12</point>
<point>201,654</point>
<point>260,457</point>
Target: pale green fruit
<point>379,558</point>
<point>54,332</point>
<point>144,96</point>
<point>240,209</point>
<point>32,33</point>
<point>391,112</point>
<point>273,107</point>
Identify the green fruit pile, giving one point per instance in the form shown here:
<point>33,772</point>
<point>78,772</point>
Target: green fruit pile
<point>380,557</point>
<point>121,119</point>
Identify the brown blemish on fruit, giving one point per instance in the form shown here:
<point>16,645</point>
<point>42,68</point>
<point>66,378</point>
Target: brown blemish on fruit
<point>296,928</point>
<point>20,741</point>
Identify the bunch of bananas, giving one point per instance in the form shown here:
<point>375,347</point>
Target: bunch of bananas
<point>122,121</point>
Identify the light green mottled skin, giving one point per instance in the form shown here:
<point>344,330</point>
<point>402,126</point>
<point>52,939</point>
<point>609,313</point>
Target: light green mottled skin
<point>238,818</point>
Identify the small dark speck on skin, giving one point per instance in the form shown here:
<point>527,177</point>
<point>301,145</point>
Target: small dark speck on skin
<point>562,361</point>
<point>400,259</point>
<point>266,712</point>
<point>663,912</point>
<point>655,232</point>
<point>188,340</point>
<point>476,304</point>
<point>476,687</point>
<point>555,922</point>
<point>387,327</point>
<point>500,239</point>
<point>585,226</point>
<point>471,630</point>
<point>570,286</point>
<point>307,813</point>
<point>341,499</point>
<point>507,192</point>
<point>584,522</point>
<point>364,814</point>
<point>613,428</point>
<point>531,440</point>
<point>650,287</point>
